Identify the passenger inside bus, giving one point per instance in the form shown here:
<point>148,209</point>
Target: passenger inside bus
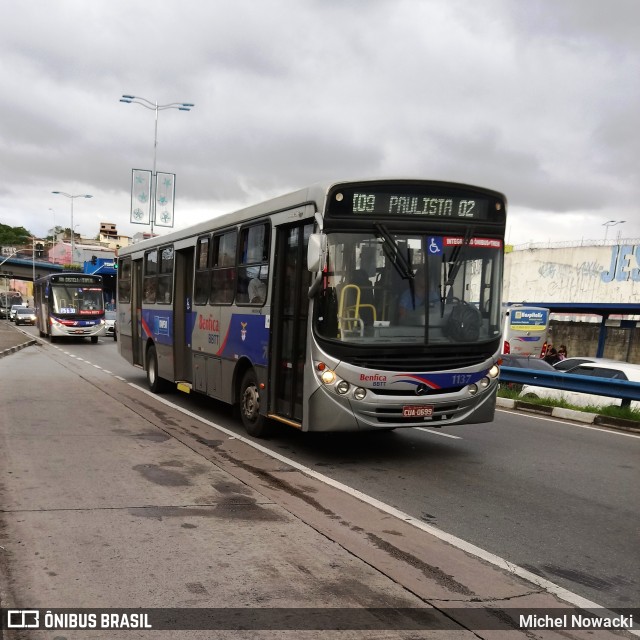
<point>412,300</point>
<point>257,291</point>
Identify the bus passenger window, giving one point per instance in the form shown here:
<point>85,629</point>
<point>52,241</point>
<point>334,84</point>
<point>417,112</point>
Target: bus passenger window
<point>150,273</point>
<point>203,274</point>
<point>165,275</point>
<point>253,276</point>
<point>223,273</point>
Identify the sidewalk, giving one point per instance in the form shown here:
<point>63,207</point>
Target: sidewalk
<point>110,498</point>
<point>12,339</point>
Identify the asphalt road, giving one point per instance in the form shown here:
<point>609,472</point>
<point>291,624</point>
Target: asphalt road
<point>556,498</point>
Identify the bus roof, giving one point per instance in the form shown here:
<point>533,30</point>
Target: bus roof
<point>315,194</point>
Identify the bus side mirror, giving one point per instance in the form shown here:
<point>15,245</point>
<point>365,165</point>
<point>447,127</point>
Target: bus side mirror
<point>317,252</point>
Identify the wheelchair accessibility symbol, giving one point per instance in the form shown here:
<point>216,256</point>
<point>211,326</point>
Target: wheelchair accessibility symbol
<point>434,245</point>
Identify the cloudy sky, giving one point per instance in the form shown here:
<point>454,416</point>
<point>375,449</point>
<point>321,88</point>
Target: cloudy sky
<point>539,99</point>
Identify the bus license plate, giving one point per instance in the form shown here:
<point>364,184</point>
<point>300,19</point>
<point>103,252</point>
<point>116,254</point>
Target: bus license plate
<point>417,411</point>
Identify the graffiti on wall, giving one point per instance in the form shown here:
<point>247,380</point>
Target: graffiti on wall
<point>567,277</point>
<point>625,264</point>
<point>586,273</point>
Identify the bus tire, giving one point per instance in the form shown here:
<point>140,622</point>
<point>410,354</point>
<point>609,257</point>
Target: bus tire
<point>94,339</point>
<point>255,424</point>
<point>155,382</point>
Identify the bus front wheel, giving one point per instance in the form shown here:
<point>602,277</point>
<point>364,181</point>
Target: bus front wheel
<point>255,424</point>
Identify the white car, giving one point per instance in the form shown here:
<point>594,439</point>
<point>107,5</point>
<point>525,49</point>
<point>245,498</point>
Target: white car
<point>611,369</point>
<point>571,363</point>
<point>109,321</point>
<point>14,307</point>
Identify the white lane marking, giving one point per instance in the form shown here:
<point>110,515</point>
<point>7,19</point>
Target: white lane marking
<point>438,433</point>
<point>547,585</point>
<point>617,432</point>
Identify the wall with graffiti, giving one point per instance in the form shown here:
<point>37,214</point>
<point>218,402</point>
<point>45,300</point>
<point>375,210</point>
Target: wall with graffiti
<point>574,274</point>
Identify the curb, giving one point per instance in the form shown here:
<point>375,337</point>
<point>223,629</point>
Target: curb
<point>11,350</point>
<point>570,414</point>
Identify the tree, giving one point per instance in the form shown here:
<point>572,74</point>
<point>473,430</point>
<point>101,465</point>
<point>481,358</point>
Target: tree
<point>14,236</point>
<point>54,233</point>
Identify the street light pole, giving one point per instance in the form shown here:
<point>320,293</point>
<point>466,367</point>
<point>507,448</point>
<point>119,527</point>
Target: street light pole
<point>72,197</point>
<point>610,223</point>
<point>54,234</point>
<point>154,106</point>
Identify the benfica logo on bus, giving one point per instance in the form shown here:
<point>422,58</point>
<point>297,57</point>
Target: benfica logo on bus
<point>243,330</point>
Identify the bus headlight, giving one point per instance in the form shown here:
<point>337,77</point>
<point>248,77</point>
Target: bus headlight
<point>494,372</point>
<point>359,393</point>
<point>342,387</point>
<point>484,383</point>
<point>473,389</point>
<point>328,376</point>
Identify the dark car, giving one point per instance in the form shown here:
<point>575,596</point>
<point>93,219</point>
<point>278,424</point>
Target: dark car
<point>25,315</point>
<point>526,362</point>
<point>523,362</point>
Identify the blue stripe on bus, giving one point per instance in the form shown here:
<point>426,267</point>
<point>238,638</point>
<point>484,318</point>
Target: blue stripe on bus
<point>247,335</point>
<point>439,380</point>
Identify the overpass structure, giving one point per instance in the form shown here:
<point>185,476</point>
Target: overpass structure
<point>25,268</point>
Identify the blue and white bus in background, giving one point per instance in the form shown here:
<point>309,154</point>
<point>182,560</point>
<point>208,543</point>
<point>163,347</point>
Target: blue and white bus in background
<point>291,309</point>
<point>69,305</point>
<point>525,330</point>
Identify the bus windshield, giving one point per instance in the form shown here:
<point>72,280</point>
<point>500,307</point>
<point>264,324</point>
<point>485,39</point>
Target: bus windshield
<point>69,299</point>
<point>383,287</point>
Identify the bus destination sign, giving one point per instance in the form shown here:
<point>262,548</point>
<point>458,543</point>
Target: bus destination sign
<point>432,206</point>
<point>73,279</point>
<point>410,202</point>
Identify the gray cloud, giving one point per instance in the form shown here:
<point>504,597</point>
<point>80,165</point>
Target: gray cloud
<point>537,99</point>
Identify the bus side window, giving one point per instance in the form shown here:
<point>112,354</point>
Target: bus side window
<point>253,270</point>
<point>223,272</point>
<point>150,276</point>
<point>203,272</point>
<point>124,280</point>
<point>165,275</point>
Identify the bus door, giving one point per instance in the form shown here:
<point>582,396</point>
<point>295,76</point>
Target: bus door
<point>289,313</point>
<point>182,314</point>
<point>137,340</point>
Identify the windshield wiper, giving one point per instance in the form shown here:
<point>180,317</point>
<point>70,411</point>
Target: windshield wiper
<point>392,250</point>
<point>401,264</point>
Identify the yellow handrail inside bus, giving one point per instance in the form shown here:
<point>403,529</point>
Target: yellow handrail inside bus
<point>349,319</point>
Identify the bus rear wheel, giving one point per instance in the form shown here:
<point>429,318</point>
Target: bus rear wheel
<point>155,382</point>
<point>255,424</point>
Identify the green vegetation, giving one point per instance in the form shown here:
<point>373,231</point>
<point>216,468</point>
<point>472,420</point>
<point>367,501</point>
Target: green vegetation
<point>611,411</point>
<point>13,236</point>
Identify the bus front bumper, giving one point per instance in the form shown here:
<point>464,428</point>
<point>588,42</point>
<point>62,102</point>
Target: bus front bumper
<point>328,411</point>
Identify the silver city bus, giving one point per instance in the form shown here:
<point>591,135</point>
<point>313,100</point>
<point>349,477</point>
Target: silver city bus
<point>366,305</point>
<point>69,305</point>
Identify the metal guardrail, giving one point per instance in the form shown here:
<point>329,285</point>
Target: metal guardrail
<point>622,389</point>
